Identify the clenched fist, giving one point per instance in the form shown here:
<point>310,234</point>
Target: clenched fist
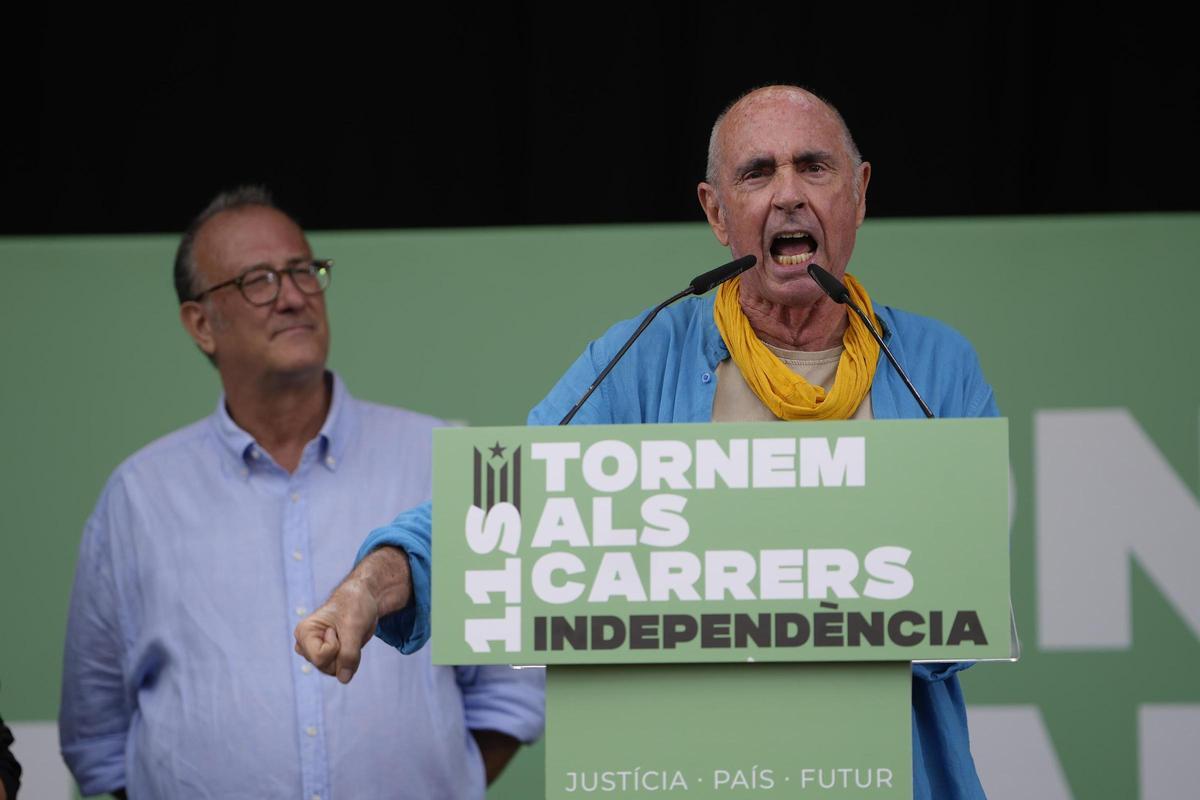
<point>332,637</point>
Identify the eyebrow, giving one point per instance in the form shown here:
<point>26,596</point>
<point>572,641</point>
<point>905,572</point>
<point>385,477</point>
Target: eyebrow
<point>754,162</point>
<point>812,156</point>
<point>766,162</point>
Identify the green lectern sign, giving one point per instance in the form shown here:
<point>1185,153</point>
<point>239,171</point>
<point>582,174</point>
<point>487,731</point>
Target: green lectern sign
<point>838,541</point>
<point>651,564</point>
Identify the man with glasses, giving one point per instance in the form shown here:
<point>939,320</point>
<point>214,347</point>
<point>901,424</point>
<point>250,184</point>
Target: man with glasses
<point>207,547</point>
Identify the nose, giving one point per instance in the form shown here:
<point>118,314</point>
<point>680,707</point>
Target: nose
<point>790,191</point>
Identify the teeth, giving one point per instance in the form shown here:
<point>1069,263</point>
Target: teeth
<point>790,261</point>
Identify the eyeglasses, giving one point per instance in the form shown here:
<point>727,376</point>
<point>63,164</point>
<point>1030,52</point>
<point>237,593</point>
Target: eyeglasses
<point>260,285</point>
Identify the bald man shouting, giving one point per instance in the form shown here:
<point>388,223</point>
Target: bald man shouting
<point>786,184</point>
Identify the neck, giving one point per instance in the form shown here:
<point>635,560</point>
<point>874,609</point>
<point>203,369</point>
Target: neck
<point>819,325</point>
<point>282,414</point>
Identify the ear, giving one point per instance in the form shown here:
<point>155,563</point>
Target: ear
<point>864,173</point>
<point>713,211</point>
<point>197,321</point>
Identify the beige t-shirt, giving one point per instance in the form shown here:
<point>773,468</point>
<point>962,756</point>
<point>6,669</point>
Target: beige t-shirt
<point>735,401</point>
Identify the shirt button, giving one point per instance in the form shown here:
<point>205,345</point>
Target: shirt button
<point>311,730</point>
<point>254,454</point>
<point>330,461</point>
<point>297,555</point>
<point>307,668</point>
<point>295,497</point>
<point>301,611</point>
<point>706,377</point>
<point>316,796</point>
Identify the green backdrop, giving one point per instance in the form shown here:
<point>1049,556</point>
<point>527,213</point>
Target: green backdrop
<point>475,325</point>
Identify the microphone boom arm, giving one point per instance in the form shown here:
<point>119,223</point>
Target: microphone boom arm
<point>838,293</point>
<point>628,343</point>
<point>699,285</point>
<point>887,352</point>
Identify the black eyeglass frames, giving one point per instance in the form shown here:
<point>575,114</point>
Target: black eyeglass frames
<point>260,285</point>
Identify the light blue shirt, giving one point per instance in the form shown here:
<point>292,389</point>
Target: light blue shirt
<point>670,375</point>
<point>202,555</point>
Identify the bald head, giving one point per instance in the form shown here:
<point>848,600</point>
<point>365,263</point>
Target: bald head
<point>786,185</point>
<point>756,99</point>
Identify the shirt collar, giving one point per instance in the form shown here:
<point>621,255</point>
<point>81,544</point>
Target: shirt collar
<point>333,437</point>
<point>338,427</point>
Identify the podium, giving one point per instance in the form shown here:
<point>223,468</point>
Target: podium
<point>728,608</point>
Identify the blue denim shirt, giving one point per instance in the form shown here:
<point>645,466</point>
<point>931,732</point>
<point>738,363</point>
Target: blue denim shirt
<point>670,375</point>
<point>202,554</point>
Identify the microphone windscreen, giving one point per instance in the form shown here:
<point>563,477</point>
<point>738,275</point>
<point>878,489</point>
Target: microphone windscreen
<point>829,284</point>
<point>715,277</point>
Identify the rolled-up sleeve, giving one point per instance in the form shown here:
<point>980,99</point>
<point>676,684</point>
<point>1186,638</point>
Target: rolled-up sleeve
<point>95,711</point>
<point>407,629</point>
<point>504,699</point>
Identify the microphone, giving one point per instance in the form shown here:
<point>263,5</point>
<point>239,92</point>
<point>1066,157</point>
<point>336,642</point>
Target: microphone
<point>838,293</point>
<point>699,285</point>
<point>702,284</point>
<point>830,285</point>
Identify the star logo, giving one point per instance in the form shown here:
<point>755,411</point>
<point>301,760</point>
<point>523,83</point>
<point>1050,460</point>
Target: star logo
<point>496,476</point>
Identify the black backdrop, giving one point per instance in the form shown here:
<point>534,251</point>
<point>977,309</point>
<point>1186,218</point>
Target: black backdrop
<point>572,113</point>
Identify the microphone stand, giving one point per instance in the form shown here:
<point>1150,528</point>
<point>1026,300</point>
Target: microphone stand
<point>838,293</point>
<point>699,285</point>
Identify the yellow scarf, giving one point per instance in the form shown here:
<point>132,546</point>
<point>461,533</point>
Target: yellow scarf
<point>785,393</point>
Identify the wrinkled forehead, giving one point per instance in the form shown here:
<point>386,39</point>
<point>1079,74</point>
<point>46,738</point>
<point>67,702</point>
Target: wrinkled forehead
<point>239,238</point>
<point>779,121</point>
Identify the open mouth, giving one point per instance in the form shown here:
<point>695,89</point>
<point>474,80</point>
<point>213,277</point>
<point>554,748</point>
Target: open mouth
<point>790,249</point>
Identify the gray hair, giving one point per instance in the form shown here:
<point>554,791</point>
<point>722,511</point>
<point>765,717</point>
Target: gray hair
<point>185,261</point>
<point>714,155</point>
